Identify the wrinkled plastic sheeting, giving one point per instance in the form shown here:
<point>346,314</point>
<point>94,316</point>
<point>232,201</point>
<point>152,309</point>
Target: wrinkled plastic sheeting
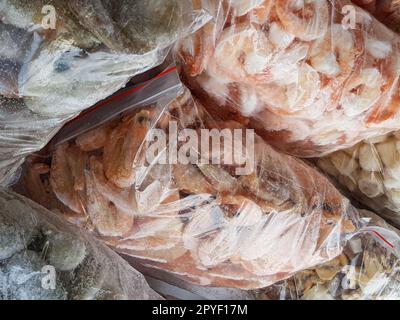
<point>209,224</point>
<point>311,77</point>
<point>42,257</point>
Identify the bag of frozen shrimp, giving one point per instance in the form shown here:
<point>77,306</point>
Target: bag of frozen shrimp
<point>156,177</point>
<point>311,77</point>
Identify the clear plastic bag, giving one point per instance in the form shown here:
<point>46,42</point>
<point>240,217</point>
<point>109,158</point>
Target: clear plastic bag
<point>58,58</point>
<point>173,287</point>
<point>42,257</point>
<point>311,76</point>
<point>368,269</point>
<point>211,224</point>
<point>369,172</point>
<point>386,11</point>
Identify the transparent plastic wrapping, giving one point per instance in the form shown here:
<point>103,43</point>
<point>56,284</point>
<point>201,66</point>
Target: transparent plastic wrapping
<point>239,215</point>
<point>42,257</point>
<point>311,77</point>
<point>368,269</point>
<point>386,11</point>
<point>58,58</point>
<point>369,172</point>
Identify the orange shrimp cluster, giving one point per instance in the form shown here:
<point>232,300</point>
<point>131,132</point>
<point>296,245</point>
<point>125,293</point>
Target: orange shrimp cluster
<point>312,76</point>
<point>200,221</point>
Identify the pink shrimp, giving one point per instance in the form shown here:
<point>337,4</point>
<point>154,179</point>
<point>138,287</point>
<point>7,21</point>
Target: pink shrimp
<point>123,199</point>
<point>189,179</point>
<point>94,139</point>
<point>108,220</point>
<point>63,180</point>
<point>122,148</point>
<point>306,20</point>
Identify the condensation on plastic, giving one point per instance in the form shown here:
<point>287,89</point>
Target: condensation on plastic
<point>201,222</point>
<point>368,269</point>
<point>386,11</point>
<point>369,172</point>
<point>42,257</point>
<point>308,84</point>
<point>48,76</point>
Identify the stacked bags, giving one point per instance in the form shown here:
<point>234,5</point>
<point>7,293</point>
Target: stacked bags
<point>202,185</point>
<point>205,222</point>
<point>213,224</point>
<point>60,57</point>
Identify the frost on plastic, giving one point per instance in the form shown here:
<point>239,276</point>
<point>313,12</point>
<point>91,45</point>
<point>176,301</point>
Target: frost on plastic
<point>202,222</point>
<point>370,173</point>
<point>58,58</point>
<point>368,269</point>
<point>33,241</point>
<point>312,76</point>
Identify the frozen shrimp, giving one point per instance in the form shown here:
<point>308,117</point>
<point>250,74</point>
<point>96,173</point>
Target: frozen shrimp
<point>107,219</point>
<point>220,179</point>
<point>94,139</point>
<point>62,180</point>
<point>266,190</point>
<point>242,7</point>
<point>243,53</point>
<point>156,238</point>
<point>203,45</point>
<point>189,179</point>
<point>307,20</point>
<point>335,55</point>
<point>262,12</point>
<point>77,160</point>
<point>197,50</point>
<point>380,113</point>
<point>150,198</point>
<point>362,91</point>
<point>184,110</point>
<point>295,96</point>
<point>123,199</point>
<point>36,182</point>
<point>140,250</point>
<point>218,248</point>
<point>33,182</point>
<point>123,147</point>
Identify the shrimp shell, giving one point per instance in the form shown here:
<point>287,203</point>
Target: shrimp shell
<point>108,220</point>
<point>121,150</point>
<point>303,28</point>
<point>62,179</point>
<point>189,179</point>
<point>94,139</point>
<point>124,199</point>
